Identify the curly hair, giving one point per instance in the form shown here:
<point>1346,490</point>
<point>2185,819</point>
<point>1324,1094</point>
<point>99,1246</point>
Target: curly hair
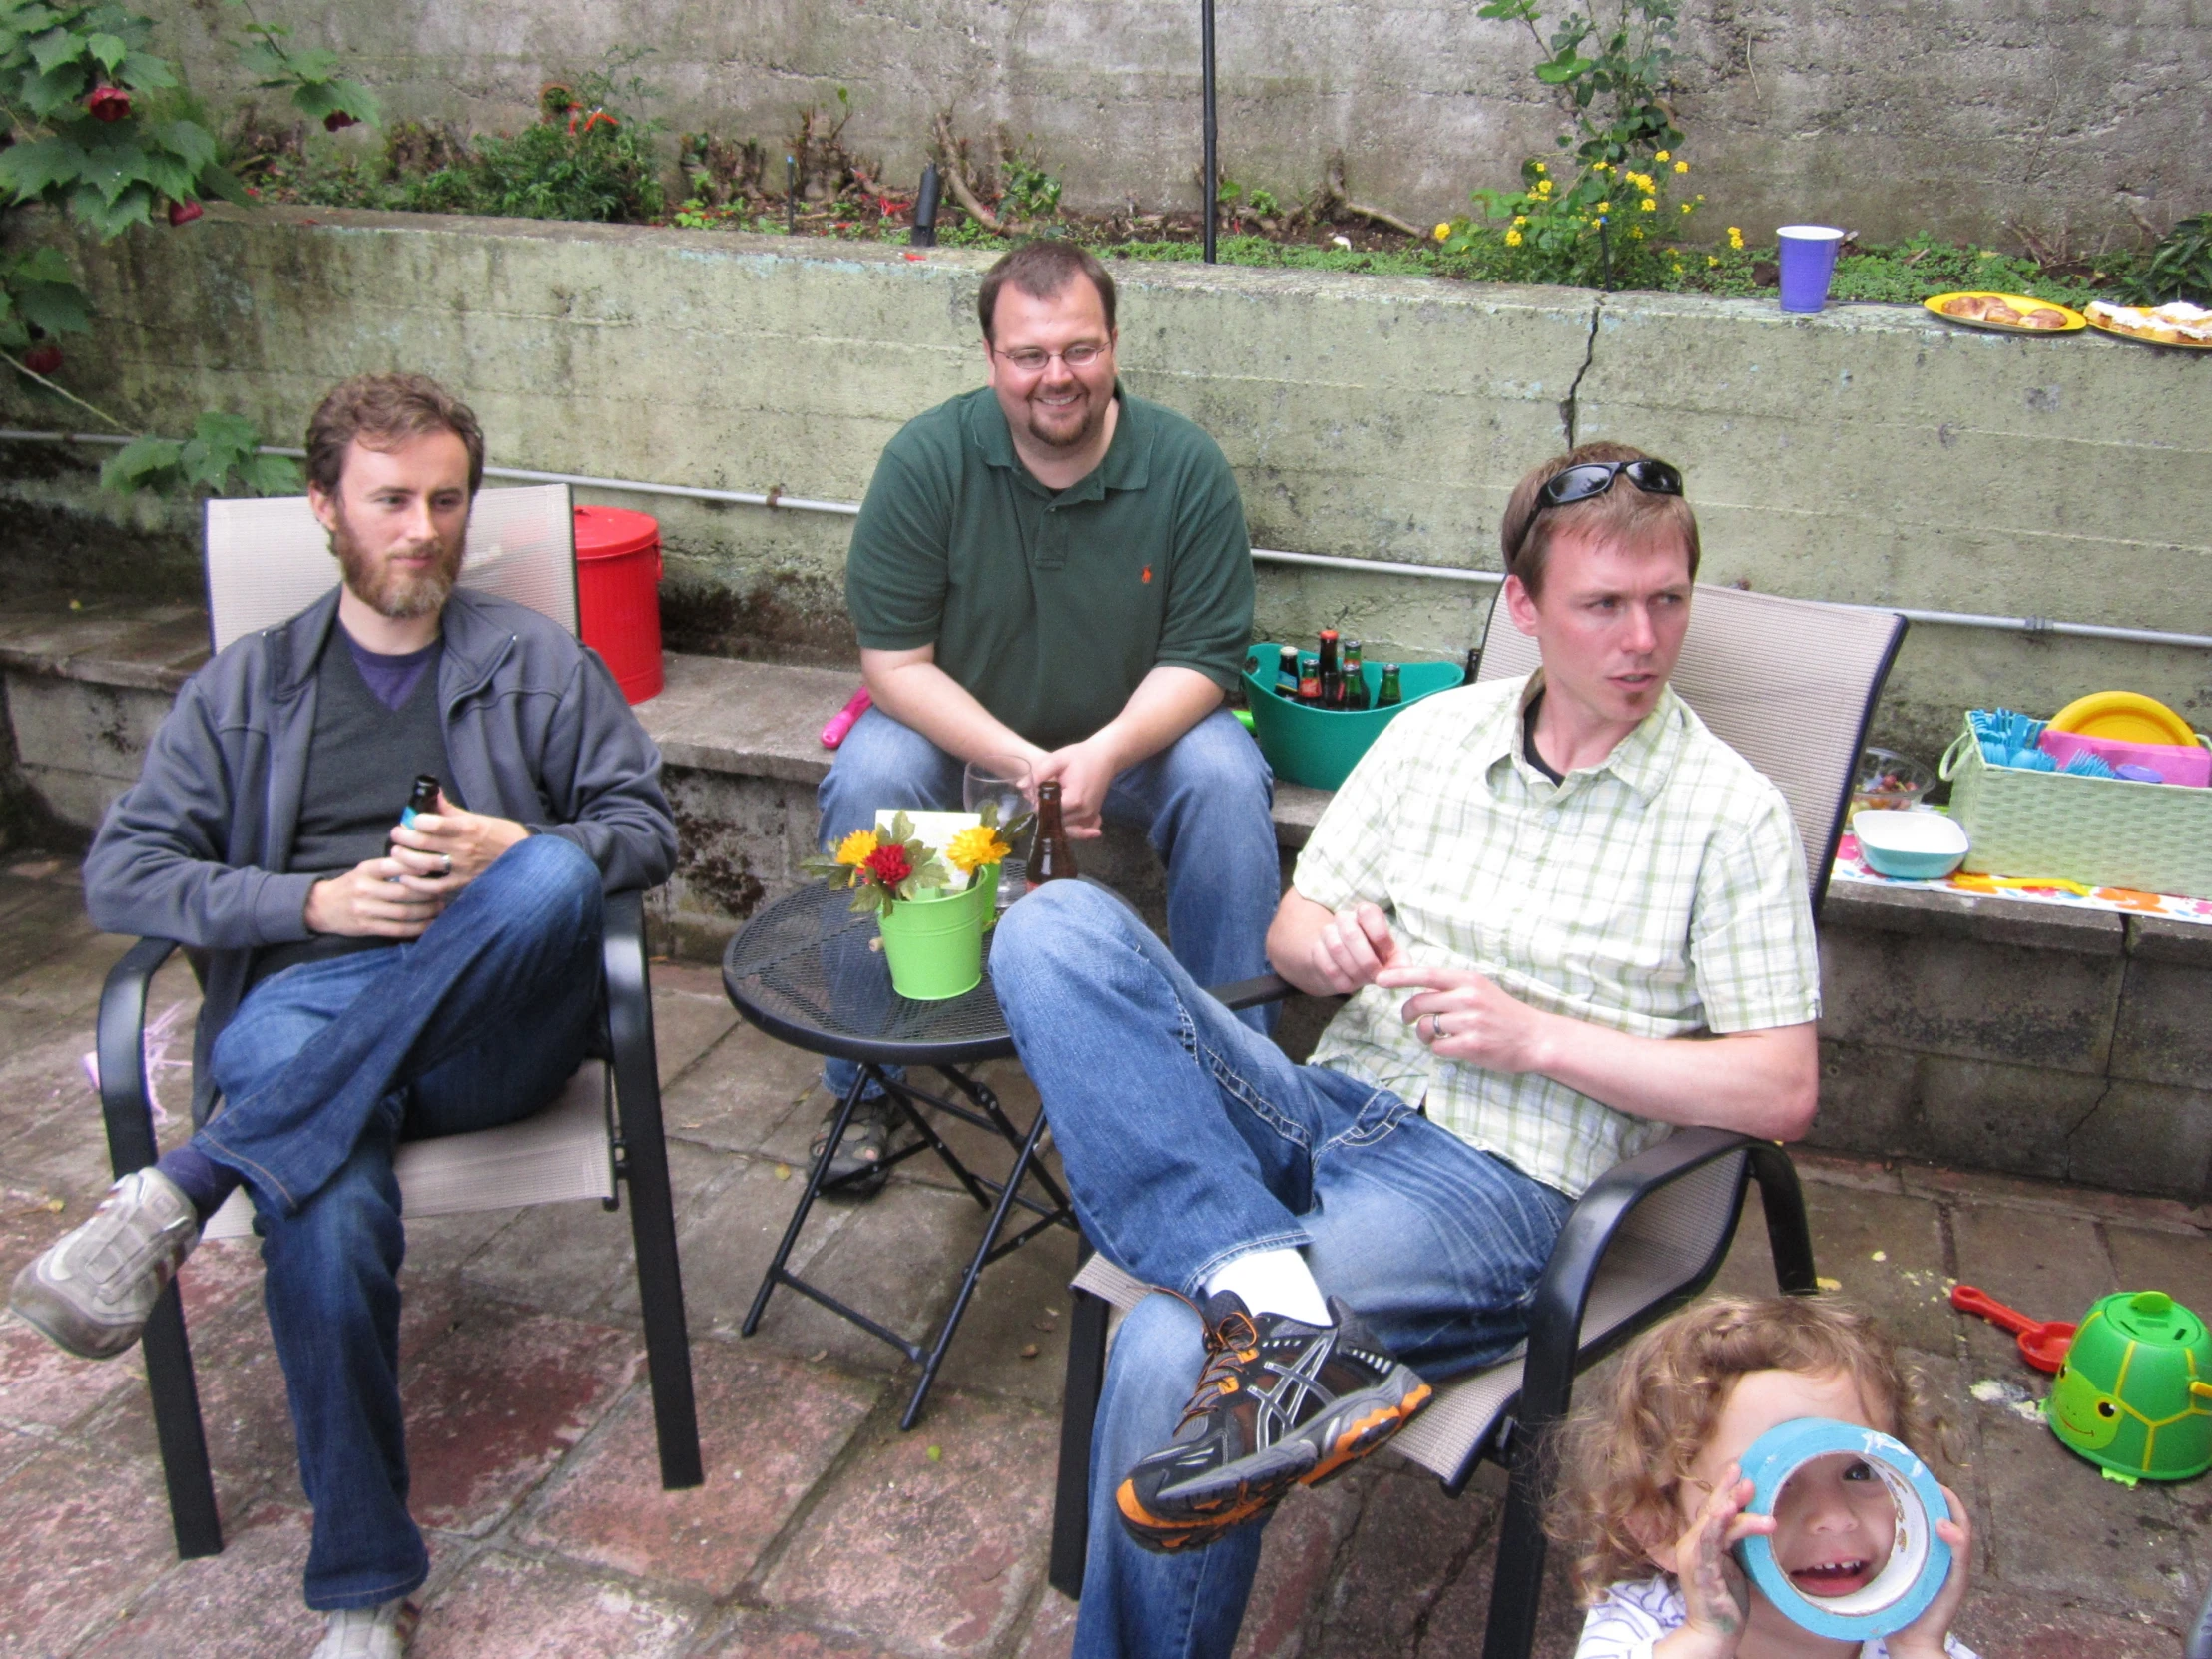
<point>1622,1457</point>
<point>382,410</point>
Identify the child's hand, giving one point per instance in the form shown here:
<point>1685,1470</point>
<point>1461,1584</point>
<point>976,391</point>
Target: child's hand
<point>1924,1637</point>
<point>1715,1594</point>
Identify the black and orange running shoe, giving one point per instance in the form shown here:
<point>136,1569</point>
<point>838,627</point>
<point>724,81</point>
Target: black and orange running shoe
<point>1280,1404</point>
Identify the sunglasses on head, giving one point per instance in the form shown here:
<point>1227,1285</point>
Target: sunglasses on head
<point>1593,478</point>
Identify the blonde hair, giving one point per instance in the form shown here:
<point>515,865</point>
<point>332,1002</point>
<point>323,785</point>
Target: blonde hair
<point>1623,1455</point>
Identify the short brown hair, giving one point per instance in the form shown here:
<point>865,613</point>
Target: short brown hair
<point>384,410</point>
<point>1623,1456</point>
<point>1041,269</point>
<point>1623,513</point>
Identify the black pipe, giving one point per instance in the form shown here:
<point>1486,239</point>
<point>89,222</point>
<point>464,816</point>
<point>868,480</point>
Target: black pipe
<point>925,232</point>
<point>790,196</point>
<point>1206,78</point>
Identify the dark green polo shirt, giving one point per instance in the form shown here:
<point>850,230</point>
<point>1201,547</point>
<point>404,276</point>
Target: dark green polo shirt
<point>1050,608</point>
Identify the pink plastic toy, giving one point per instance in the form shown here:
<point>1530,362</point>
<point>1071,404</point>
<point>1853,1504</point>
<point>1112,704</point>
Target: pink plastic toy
<point>842,722</point>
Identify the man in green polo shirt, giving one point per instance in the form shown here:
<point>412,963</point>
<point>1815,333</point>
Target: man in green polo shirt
<point>1053,571</point>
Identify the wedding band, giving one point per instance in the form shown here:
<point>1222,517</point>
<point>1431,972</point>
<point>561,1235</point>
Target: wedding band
<point>448,869</point>
<point>1436,1024</point>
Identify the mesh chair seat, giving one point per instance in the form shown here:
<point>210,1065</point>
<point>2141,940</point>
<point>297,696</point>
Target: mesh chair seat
<point>1663,1246</point>
<point>558,1153</point>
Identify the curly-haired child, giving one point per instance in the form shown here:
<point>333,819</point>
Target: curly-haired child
<point>1650,1479</point>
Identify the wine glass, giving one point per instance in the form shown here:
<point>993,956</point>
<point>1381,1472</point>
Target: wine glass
<point>1005,781</point>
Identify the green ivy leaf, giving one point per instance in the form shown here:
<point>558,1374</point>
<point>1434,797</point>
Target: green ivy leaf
<point>108,49</point>
<point>57,307</point>
<point>220,181</point>
<point>272,475</point>
<point>55,48</point>
<point>189,142</point>
<point>113,168</point>
<point>58,89</point>
<point>140,464</point>
<point>109,220</point>
<point>143,72</point>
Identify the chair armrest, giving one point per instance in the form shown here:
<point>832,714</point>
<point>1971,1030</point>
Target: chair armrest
<point>125,1103</point>
<point>1563,1294</point>
<point>1251,993</point>
<point>623,945</point>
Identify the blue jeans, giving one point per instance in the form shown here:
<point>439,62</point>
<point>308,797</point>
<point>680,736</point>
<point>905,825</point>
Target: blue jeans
<point>1189,1140</point>
<point>323,1070</point>
<point>1203,803</point>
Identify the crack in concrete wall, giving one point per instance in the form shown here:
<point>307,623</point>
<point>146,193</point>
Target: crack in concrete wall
<point>1569,407</point>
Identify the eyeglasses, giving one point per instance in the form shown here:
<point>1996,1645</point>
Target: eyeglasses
<point>1031,360</point>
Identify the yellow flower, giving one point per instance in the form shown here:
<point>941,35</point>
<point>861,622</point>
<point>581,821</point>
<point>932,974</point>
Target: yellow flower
<point>1712,259</point>
<point>1637,234</point>
<point>1689,207</point>
<point>1539,166</point>
<point>1543,187</point>
<point>1512,239</point>
<point>1662,155</point>
<point>1679,167</point>
<point>856,847</point>
<point>1520,219</point>
<point>1648,205</point>
<point>1700,196</point>
<point>1605,207</point>
<point>1735,239</point>
<point>971,848</point>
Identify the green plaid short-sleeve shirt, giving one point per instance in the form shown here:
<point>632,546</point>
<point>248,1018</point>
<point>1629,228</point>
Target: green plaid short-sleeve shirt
<point>1661,893</point>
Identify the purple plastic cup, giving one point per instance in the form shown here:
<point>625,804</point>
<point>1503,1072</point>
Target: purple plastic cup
<point>1808,261</point>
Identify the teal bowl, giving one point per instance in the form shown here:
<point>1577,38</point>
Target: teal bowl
<point>1320,747</point>
<point>1910,847</point>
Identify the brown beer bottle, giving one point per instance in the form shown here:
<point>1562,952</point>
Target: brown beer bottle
<point>1331,677</point>
<point>1051,858</point>
<point>1286,674</point>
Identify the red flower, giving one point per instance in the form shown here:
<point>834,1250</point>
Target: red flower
<point>108,104</point>
<point>889,864</point>
<point>42,360</point>
<point>338,121</point>
<point>183,213</point>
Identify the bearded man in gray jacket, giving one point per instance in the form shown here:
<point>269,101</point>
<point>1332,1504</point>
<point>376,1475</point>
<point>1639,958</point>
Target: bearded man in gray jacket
<point>368,981</point>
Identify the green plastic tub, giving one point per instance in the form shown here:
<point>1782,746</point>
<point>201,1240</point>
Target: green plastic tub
<point>1320,747</point>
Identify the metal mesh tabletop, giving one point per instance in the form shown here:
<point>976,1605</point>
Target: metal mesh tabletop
<point>807,970</point>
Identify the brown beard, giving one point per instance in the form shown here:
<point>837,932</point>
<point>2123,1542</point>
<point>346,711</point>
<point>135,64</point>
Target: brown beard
<point>387,592</point>
<point>1092,421</point>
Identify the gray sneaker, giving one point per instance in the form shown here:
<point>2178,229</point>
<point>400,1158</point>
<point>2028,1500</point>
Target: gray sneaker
<point>94,1286</point>
<point>368,1632</point>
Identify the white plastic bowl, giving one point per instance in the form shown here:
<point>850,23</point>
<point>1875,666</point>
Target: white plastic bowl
<point>1913,847</point>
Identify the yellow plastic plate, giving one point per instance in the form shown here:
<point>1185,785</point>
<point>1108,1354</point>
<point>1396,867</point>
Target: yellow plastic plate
<point>2103,327</point>
<point>2124,717</point>
<point>2075,321</point>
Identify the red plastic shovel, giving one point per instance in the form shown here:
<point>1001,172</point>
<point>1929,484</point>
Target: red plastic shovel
<point>2043,1343</point>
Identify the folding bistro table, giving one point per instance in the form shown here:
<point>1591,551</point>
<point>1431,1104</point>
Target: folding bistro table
<point>807,971</point>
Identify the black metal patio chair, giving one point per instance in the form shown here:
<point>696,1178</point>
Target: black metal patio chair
<point>267,559</point>
<point>1791,686</point>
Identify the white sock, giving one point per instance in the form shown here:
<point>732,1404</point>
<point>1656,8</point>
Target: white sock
<point>1273,1282</point>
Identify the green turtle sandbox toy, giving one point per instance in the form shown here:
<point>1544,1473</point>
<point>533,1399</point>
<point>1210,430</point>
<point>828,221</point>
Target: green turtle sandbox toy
<point>2134,1396</point>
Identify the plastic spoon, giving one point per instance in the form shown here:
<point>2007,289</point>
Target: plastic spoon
<point>2043,1343</point>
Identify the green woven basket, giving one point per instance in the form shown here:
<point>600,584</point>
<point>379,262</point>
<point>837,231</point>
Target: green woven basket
<point>2100,832</point>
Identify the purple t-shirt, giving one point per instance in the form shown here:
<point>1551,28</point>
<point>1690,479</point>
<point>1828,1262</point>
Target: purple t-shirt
<point>392,679</point>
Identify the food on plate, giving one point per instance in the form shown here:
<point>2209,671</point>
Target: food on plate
<point>2175,324</point>
<point>1998,312</point>
<point>2044,319</point>
<point>1967,306</point>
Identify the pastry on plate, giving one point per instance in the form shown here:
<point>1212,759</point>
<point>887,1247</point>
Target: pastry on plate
<point>2044,319</point>
<point>1969,306</point>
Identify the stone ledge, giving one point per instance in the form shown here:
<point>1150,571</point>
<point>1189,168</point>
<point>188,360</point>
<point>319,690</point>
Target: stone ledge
<point>1960,916</point>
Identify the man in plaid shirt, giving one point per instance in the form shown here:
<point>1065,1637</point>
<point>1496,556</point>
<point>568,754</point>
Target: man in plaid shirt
<point>1568,918</point>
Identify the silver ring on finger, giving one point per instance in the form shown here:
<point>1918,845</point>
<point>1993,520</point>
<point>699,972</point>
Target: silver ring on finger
<point>448,869</point>
<point>1436,1024</point>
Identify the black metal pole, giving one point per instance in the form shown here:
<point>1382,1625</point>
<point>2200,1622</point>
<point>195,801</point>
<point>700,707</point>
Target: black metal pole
<point>1205,77</point>
<point>925,232</point>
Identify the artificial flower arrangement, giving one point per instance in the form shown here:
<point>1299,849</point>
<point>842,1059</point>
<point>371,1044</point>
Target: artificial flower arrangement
<point>887,866</point>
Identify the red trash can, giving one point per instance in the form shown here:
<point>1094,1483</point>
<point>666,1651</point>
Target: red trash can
<point>618,594</point>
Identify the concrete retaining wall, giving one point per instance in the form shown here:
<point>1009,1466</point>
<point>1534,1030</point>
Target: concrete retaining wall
<point>1962,117</point>
<point>1870,454</point>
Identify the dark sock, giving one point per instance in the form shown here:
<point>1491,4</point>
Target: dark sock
<point>200,1178</point>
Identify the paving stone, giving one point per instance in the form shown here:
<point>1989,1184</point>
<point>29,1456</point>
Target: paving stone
<point>2048,1267</point>
<point>45,925</point>
<point>577,1259</point>
<point>503,1608</point>
<point>2177,1265</point>
<point>244,1604</point>
<point>2119,1551</point>
<point>443,1246</point>
<point>1975,1185</point>
<point>1411,1542</point>
<point>749,1093</point>
<point>1463,1612</point>
<point>1051,1632</point>
<point>1304,1539</point>
<point>495,1402</point>
<point>690,1015</point>
<point>929,1556</point>
<point>753,1635</point>
<point>1022,1302</point>
<point>43,1388</point>
<point>730,1231</point>
<point>2014,1626</point>
<point>83,1532</point>
<point>768,1429</point>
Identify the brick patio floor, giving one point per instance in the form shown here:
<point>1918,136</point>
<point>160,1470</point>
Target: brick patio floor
<point>822,1530</point>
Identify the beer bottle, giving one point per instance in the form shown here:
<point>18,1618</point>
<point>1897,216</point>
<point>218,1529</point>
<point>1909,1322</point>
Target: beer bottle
<point>1051,858</point>
<point>424,798</point>
<point>1309,678</point>
<point>1356,676</point>
<point>1332,676</point>
<point>1286,674</point>
<point>1390,693</point>
<point>1474,665</point>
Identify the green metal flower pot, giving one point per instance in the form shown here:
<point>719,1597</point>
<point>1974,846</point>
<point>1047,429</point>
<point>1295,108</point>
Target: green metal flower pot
<point>934,942</point>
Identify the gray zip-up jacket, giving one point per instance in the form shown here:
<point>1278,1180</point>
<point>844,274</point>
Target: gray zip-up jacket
<point>198,849</point>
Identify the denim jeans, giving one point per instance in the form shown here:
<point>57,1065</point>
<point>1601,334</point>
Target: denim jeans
<point>1203,803</point>
<point>1189,1140</point>
<point>324,1069</point>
